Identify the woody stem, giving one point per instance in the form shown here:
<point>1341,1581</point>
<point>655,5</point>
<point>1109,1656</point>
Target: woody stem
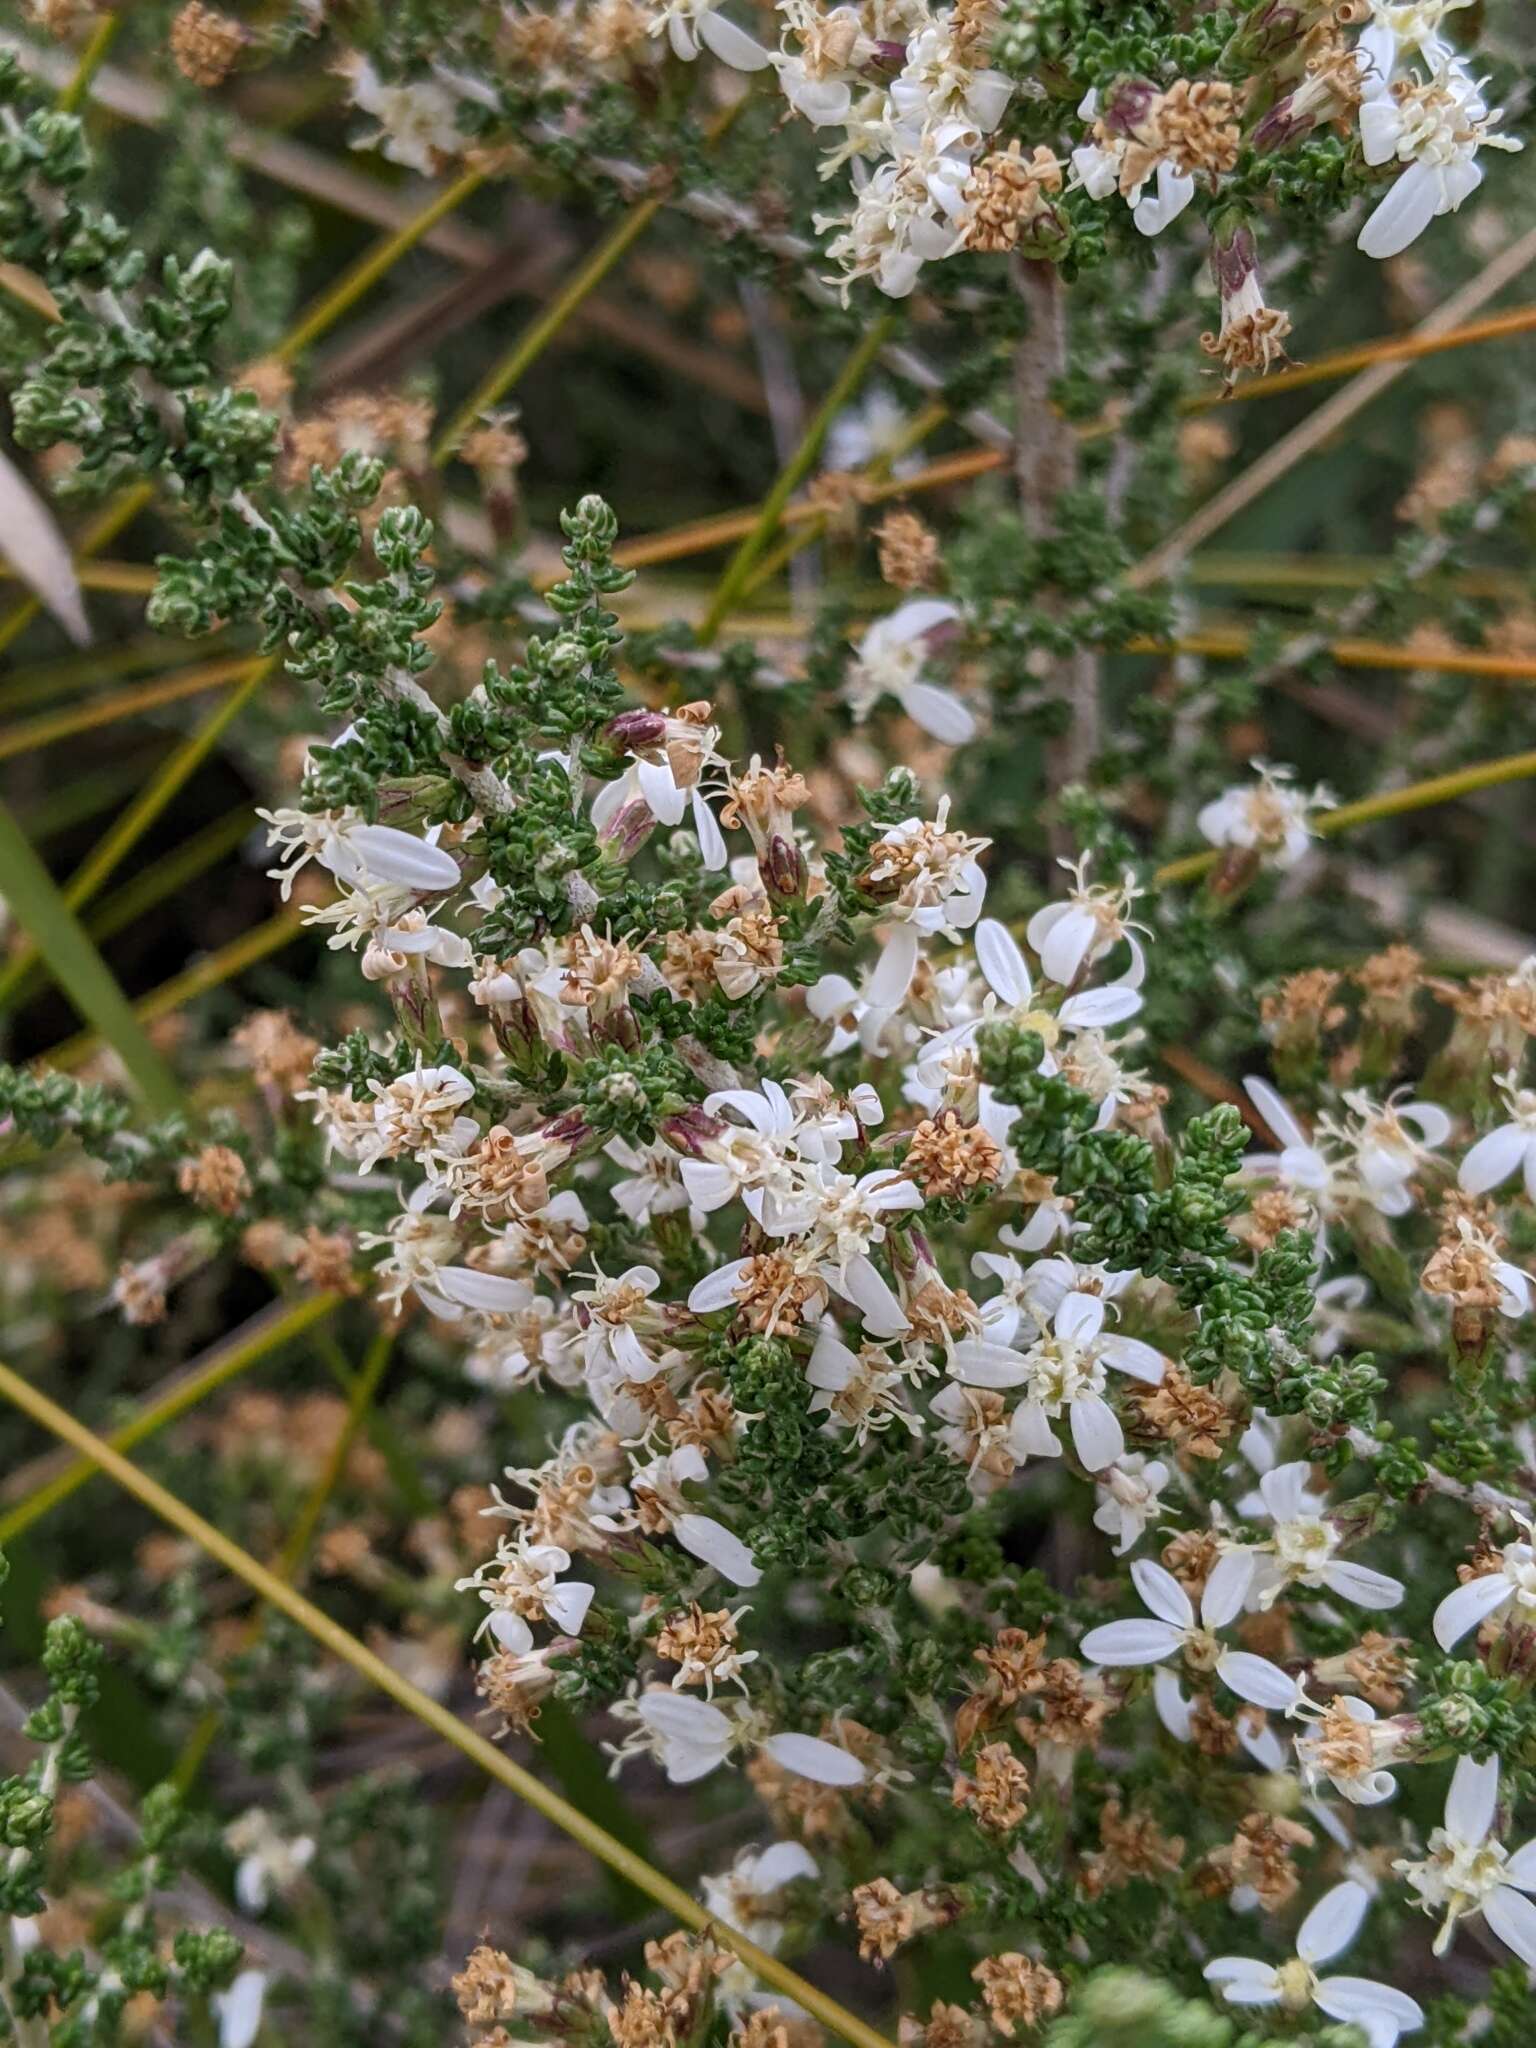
<point>1045,466</point>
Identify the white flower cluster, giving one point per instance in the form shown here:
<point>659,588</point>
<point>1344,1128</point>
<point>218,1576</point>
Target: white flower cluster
<point>914,106</point>
<point>826,1195</point>
<point>1420,107</point>
<point>904,85</point>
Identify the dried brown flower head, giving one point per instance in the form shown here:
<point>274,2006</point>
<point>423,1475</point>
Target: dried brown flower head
<point>277,1052</point>
<point>206,45</point>
<point>998,1793</point>
<point>215,1179</point>
<point>1008,193</point>
<point>1134,1846</point>
<point>947,2026</point>
<point>1192,1418</point>
<point>909,550</point>
<point>1261,1857</point>
<point>949,1157</point>
<point>1018,1991</point>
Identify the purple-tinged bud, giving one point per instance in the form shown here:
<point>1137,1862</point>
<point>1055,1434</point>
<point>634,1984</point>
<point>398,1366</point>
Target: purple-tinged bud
<point>569,1128</point>
<point>638,728</point>
<point>515,1026</point>
<point>783,867</point>
<point>690,1131</point>
<point>619,1026</point>
<point>1282,124</point>
<point>1233,261</point>
<point>1272,30</point>
<point>629,828</point>
<point>1126,106</point>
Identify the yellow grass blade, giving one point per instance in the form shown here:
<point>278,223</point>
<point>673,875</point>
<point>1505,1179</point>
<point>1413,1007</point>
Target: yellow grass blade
<point>233,1355</point>
<point>1388,803</point>
<point>737,571</point>
<point>769,1970</point>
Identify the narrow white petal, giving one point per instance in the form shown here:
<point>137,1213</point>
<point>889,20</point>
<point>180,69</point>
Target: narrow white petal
<point>1468,1606</point>
<point>732,45</point>
<point>894,969</point>
<point>1256,1680</point>
<point>239,2009</point>
<point>1097,1008</point>
<point>1402,215</point>
<point>1432,1123</point>
<point>1097,1436</point>
<point>809,1757</point>
<point>871,1294</point>
<point>1381,2009</point>
<point>1284,1490</point>
<point>1513,1919</point>
<point>781,1865</point>
<point>1080,1318</point>
<point>1242,1980</point>
<point>33,545</point>
<point>567,1606</point>
<point>712,846</point>
<point>1227,1588</point>
<point>709,1186</point>
<point>658,786</point>
<point>511,1631</point>
<point>1067,944</point>
<point>491,1293</point>
<point>716,1290</point>
<point>920,615</point>
<point>977,1363</point>
<point>1121,1644</point>
<point>1470,1802</point>
<point>1002,963</point>
<point>1358,1583</point>
<point>1275,1110</point>
<point>1163,1594</point>
<point>713,1544</point>
<point>1173,1710</point>
<point>683,1718</point>
<point>1493,1159</point>
<point>1129,1354</point>
<point>1030,1434</point>
<point>939,712</point>
<point>685,1764</point>
<point>389,855</point>
<point>1332,1923</point>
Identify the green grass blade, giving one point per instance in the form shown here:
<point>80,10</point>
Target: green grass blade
<point>37,904</point>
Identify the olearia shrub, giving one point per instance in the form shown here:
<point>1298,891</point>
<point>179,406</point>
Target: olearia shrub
<point>888,1266</point>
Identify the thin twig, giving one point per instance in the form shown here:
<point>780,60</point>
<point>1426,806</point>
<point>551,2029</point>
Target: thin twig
<point>1329,417</point>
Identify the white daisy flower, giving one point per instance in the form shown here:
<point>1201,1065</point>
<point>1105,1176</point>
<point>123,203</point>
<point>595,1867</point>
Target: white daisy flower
<point>1509,1148</point>
<point>1380,2011</point>
<point>1435,126</point>
<point>1173,1630</point>
<point>1301,1552</point>
<point>1064,1369</point>
<point>890,663</point>
<point>1269,817</point>
<point>1467,1871</point>
<point>1508,1593</point>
